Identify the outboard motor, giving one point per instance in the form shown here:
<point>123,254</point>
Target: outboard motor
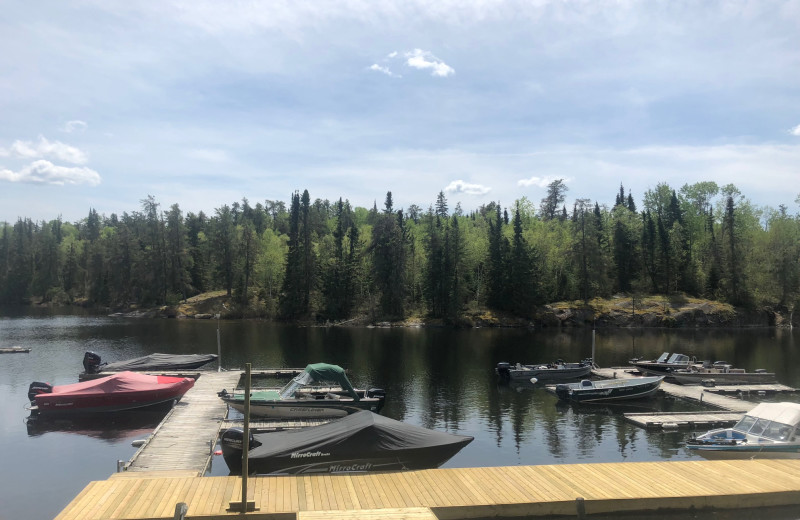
<point>378,393</point>
<point>91,362</point>
<point>231,442</point>
<point>504,370</point>
<point>37,388</point>
<point>562,391</point>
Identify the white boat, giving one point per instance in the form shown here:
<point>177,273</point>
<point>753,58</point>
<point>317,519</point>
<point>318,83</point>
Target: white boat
<point>767,431</point>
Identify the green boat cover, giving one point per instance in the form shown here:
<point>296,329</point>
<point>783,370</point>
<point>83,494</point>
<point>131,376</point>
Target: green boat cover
<point>332,373</point>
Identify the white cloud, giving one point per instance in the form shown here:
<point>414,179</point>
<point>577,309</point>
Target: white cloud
<point>45,172</point>
<point>74,126</point>
<point>44,148</point>
<point>460,186</point>
<point>385,70</point>
<point>420,59</point>
<point>541,182</point>
<point>795,131</point>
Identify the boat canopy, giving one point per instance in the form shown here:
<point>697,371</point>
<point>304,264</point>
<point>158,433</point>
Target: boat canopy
<point>786,413</point>
<point>360,434</point>
<point>317,373</point>
<point>678,359</point>
<point>663,358</point>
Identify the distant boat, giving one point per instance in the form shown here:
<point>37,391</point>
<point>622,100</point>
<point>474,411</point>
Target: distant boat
<point>666,363</point>
<point>721,373</point>
<point>172,362</point>
<point>114,393</point>
<point>14,350</point>
<point>301,399</point>
<point>558,371</point>
<point>359,443</point>
<point>770,430</point>
<point>608,390</point>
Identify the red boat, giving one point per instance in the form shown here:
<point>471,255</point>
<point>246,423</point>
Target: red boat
<point>122,391</point>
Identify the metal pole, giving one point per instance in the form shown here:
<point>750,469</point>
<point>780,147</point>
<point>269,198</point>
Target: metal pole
<point>219,348</point>
<point>246,440</point>
<point>594,361</point>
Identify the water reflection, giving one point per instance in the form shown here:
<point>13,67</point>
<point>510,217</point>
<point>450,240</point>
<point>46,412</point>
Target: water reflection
<point>110,427</point>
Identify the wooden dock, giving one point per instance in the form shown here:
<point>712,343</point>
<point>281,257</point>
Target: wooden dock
<point>514,491</point>
<point>185,439</point>
<point>675,420</point>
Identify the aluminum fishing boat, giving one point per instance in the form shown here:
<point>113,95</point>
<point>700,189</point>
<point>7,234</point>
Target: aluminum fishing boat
<point>664,364</point>
<point>770,430</point>
<point>721,373</point>
<point>558,371</point>
<point>361,442</point>
<point>304,397</point>
<point>608,390</point>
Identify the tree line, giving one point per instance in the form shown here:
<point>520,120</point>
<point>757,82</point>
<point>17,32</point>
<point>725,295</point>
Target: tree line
<point>330,261</point>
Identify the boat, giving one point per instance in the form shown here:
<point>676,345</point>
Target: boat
<point>664,364</point>
<point>302,397</point>
<point>14,350</point>
<point>114,393</point>
<point>173,362</point>
<point>358,443</point>
<point>721,373</point>
<point>770,430</point>
<point>557,371</point>
<point>588,391</point>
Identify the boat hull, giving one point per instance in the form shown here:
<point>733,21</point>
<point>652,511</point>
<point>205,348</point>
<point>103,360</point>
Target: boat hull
<point>548,374</point>
<point>303,409</point>
<point>713,452</point>
<point>84,399</point>
<point>605,391</point>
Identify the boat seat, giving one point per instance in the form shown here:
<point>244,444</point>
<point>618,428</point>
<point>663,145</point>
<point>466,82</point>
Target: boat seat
<point>586,382</point>
<point>331,395</point>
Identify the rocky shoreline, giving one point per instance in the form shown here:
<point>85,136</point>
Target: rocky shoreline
<point>615,312</point>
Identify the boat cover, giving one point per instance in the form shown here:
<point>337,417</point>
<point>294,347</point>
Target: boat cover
<point>161,362</point>
<point>320,372</point>
<point>124,382</point>
<point>361,434</point>
<point>786,413</point>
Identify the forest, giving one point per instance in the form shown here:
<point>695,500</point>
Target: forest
<point>328,261</point>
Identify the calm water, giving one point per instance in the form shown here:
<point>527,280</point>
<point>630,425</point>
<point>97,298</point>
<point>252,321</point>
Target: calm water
<point>434,378</point>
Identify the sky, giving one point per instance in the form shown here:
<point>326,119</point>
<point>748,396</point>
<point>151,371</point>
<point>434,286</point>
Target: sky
<point>202,103</point>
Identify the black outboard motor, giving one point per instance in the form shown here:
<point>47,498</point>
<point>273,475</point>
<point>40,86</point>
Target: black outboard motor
<point>232,441</point>
<point>378,393</point>
<point>504,370</point>
<point>91,363</point>
<point>562,391</point>
<point>37,388</point>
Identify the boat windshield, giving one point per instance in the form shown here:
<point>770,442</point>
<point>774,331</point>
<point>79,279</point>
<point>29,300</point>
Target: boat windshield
<point>745,423</point>
<point>288,391</point>
<point>663,357</point>
<point>777,431</point>
<point>758,427</point>
<point>678,358</point>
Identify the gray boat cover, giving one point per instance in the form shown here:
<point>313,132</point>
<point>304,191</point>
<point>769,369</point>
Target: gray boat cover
<point>161,362</point>
<point>361,434</point>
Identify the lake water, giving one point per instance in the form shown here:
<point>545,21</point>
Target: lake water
<point>436,378</point>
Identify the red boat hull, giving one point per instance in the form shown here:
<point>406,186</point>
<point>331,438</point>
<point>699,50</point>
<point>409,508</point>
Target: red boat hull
<point>123,391</point>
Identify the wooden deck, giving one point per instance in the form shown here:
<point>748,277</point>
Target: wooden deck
<point>515,491</point>
<point>185,438</point>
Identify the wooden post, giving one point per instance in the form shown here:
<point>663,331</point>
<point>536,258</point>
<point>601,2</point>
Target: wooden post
<point>246,440</point>
<point>244,505</point>
<point>219,348</point>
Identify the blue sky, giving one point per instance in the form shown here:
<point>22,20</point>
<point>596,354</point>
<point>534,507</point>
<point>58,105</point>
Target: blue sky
<point>202,103</point>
